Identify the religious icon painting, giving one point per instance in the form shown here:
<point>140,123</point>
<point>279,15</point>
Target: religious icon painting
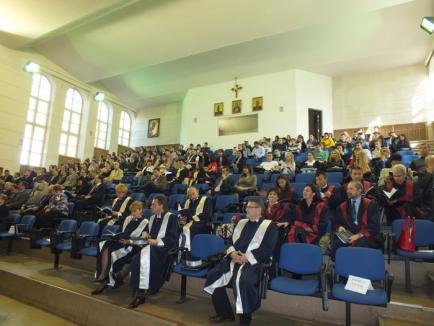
<point>257,103</point>
<point>153,128</point>
<point>218,109</point>
<point>236,106</point>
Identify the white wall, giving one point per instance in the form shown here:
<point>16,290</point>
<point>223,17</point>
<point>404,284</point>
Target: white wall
<point>294,90</point>
<point>393,96</point>
<point>170,125</point>
<point>15,85</point>
<point>313,91</point>
<point>277,90</point>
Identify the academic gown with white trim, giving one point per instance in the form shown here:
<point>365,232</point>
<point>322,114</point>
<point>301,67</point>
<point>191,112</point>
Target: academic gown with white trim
<point>148,265</point>
<point>244,279</point>
<point>118,253</point>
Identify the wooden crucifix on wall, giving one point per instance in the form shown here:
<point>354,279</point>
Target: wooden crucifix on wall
<point>236,88</point>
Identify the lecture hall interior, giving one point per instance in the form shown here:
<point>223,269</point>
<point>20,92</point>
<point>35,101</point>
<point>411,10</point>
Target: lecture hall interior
<point>199,162</point>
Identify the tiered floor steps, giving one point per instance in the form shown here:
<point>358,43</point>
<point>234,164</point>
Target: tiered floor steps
<point>28,276</point>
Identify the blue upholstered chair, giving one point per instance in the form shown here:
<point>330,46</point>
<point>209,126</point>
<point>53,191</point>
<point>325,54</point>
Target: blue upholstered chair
<point>138,196</point>
<point>365,263</point>
<point>176,199</point>
<point>304,177</point>
<point>21,227</point>
<point>302,259</point>
<point>203,246</point>
<point>423,237</point>
<point>88,231</point>
<point>42,237</point>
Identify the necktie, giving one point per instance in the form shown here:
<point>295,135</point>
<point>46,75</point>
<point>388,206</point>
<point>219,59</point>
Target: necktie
<point>353,206</point>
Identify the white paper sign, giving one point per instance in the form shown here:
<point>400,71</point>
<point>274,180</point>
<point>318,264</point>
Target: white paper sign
<point>358,284</point>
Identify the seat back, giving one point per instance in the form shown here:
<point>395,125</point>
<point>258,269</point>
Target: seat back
<point>179,188</point>
<point>265,186</point>
<point>304,177</point>
<point>224,201</point>
<point>334,177</point>
<point>89,228</point>
<point>13,218</point>
<point>298,188</point>
<point>362,262</point>
<point>205,245</point>
<point>202,187</point>
<point>147,213</point>
<point>301,258</point>
<point>234,177</point>
<point>67,226</point>
<point>26,223</point>
<point>176,199</point>
<point>424,235</point>
<point>138,196</point>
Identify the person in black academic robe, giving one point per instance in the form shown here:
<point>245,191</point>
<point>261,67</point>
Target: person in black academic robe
<point>252,244</point>
<point>114,254</point>
<point>120,208</point>
<point>147,266</point>
<point>360,216</point>
<point>198,211</point>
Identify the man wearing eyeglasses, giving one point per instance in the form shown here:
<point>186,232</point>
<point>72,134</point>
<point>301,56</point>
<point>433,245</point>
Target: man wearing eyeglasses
<point>252,243</point>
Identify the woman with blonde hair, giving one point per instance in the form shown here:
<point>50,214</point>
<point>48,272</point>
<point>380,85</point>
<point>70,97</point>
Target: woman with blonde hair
<point>288,165</point>
<point>335,161</point>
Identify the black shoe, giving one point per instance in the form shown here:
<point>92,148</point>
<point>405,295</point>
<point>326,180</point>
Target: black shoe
<point>118,280</point>
<point>221,319</point>
<point>137,301</point>
<point>103,280</point>
<point>100,289</point>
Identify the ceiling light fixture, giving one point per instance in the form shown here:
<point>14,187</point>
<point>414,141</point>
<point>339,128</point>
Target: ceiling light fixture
<point>32,67</point>
<point>427,24</point>
<point>99,96</point>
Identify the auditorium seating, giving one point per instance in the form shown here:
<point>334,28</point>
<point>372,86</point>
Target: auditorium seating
<point>424,237</point>
<point>176,199</point>
<point>365,263</point>
<point>138,196</point>
<point>203,246</point>
<point>302,259</point>
<point>19,227</point>
<point>88,231</point>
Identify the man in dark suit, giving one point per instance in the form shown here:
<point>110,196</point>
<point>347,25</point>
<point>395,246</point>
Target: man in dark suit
<point>19,196</point>
<point>224,185</point>
<point>158,183</point>
<point>360,216</point>
<point>95,196</point>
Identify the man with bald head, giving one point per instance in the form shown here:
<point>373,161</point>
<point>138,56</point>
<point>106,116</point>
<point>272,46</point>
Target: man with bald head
<point>360,216</point>
<point>198,210</point>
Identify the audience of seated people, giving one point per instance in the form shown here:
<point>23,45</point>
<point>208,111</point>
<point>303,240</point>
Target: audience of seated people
<point>374,179</point>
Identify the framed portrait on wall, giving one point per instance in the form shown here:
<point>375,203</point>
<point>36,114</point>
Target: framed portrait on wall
<point>236,106</point>
<point>257,103</point>
<point>218,109</point>
<point>153,128</point>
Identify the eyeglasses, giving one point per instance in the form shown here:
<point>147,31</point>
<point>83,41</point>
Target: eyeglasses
<point>252,206</point>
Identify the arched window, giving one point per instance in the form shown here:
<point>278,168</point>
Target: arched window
<point>102,126</point>
<point>36,121</point>
<point>124,129</point>
<point>71,123</point>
